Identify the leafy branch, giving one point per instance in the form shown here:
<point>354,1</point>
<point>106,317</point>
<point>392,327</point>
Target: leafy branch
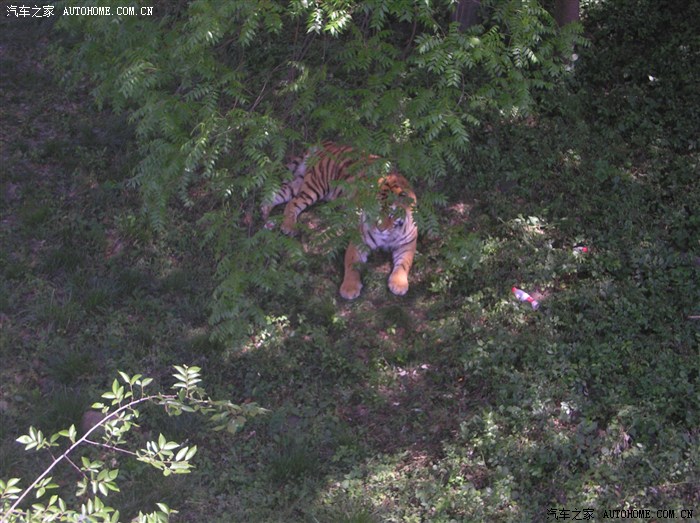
<point>118,418</point>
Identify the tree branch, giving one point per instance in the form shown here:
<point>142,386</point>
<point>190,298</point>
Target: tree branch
<point>76,444</point>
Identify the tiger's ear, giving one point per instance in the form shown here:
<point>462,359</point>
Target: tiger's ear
<point>297,165</point>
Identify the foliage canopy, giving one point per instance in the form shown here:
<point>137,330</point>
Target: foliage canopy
<point>217,92</point>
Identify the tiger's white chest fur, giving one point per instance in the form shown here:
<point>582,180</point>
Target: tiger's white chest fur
<point>389,238</point>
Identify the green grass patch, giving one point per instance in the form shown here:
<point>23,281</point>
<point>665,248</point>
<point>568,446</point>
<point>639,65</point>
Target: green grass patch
<point>292,460</point>
<point>71,365</point>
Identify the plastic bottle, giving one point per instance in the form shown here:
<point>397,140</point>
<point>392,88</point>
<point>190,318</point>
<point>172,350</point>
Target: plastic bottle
<point>524,296</point>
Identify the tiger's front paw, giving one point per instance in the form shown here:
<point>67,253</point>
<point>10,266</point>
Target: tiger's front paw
<point>398,283</point>
<point>288,227</point>
<point>350,290</point>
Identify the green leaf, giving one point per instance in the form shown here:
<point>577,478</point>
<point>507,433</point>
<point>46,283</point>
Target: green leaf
<point>28,442</point>
<point>191,452</point>
<point>8,489</point>
<point>164,508</point>
<point>181,454</point>
<point>170,445</point>
<point>125,377</point>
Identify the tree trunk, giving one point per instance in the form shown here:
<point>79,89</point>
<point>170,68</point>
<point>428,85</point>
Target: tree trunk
<point>566,11</point>
<point>467,13</point>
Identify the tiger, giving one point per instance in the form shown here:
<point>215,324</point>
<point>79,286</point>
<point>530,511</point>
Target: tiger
<point>315,179</point>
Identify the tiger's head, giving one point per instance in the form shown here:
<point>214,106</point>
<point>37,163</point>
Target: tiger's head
<point>397,200</point>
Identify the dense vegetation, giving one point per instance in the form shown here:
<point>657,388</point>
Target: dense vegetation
<point>131,241</point>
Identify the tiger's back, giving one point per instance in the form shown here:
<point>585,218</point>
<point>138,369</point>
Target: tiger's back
<point>315,177</point>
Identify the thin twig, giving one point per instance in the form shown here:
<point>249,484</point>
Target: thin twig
<point>257,101</point>
<point>110,447</point>
<point>409,42</point>
<point>76,467</point>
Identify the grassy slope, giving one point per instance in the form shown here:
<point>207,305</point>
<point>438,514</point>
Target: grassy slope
<point>454,403</point>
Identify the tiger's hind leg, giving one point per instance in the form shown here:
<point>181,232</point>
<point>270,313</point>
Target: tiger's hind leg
<point>288,189</point>
<point>287,192</point>
<point>305,196</point>
<point>352,282</point>
<point>403,259</point>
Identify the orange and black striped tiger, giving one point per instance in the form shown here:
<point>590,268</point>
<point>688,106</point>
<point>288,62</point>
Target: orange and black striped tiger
<point>315,179</point>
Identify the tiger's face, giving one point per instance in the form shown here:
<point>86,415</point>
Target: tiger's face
<point>396,200</point>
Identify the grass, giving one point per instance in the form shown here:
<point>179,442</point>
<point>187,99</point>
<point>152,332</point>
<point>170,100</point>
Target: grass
<point>455,403</point>
<point>292,461</point>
